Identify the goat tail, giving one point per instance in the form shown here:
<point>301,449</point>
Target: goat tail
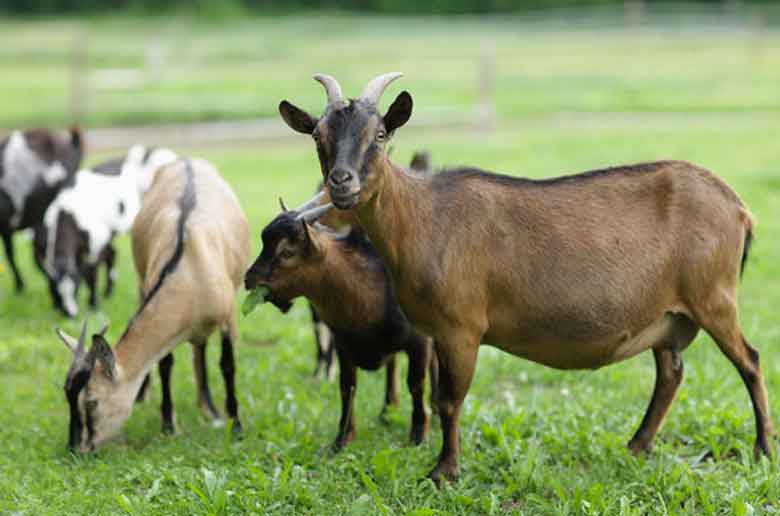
<point>748,242</point>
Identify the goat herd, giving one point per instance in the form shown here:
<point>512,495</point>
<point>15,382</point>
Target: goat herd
<point>572,272</point>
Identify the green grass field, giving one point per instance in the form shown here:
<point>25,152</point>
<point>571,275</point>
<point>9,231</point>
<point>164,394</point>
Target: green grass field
<point>535,440</point>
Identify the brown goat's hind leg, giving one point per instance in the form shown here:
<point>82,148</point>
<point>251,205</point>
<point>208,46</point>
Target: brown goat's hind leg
<point>433,371</point>
<point>723,327</point>
<point>668,376</point>
<point>392,395</point>
<point>745,359</point>
<point>457,360</point>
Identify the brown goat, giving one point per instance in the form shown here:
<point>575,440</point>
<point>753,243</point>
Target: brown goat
<point>340,220</point>
<point>191,247</point>
<point>345,281</point>
<point>574,272</point>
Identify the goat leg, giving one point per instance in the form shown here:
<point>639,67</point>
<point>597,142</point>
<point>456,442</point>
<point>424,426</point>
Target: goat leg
<point>166,407</point>
<point>227,364</point>
<point>200,369</point>
<point>457,357</point>
<point>419,357</point>
<point>109,259</point>
<point>348,385</point>
<point>668,376</point>
<point>392,396</point>
<point>8,243</point>
<point>90,277</point>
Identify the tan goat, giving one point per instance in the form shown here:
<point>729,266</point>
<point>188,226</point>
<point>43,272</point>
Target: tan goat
<point>191,246</point>
<point>574,272</point>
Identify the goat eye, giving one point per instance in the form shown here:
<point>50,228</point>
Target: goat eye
<point>380,136</point>
<point>286,254</point>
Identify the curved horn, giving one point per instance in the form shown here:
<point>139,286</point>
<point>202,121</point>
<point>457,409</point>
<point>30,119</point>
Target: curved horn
<point>282,205</point>
<point>377,85</point>
<point>332,87</point>
<point>315,213</point>
<point>76,346</point>
<point>311,203</point>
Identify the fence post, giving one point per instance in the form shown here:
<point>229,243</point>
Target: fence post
<point>486,75</point>
<point>78,78</point>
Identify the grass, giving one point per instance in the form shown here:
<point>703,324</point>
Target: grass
<point>535,440</point>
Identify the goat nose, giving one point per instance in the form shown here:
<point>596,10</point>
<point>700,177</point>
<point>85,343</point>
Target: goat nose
<point>339,176</point>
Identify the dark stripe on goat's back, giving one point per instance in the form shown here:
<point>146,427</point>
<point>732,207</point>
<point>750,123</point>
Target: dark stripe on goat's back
<point>186,205</point>
<point>449,176</point>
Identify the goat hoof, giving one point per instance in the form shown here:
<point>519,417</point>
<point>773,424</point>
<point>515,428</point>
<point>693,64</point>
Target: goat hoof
<point>168,428</point>
<point>237,430</point>
<point>638,448</point>
<point>762,448</point>
<point>418,435</point>
<point>444,472</point>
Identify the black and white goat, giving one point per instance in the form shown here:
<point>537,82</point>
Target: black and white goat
<point>34,166</point>
<point>82,221</point>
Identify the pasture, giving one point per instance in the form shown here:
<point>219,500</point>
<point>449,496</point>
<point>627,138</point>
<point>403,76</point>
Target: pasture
<point>534,440</point>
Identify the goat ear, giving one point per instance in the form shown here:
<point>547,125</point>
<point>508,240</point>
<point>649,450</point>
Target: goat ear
<point>311,243</point>
<point>298,119</point>
<point>101,352</point>
<point>399,112</point>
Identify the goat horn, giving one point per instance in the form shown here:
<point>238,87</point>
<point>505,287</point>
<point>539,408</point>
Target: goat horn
<point>315,213</point>
<point>281,203</point>
<point>311,203</point>
<point>68,340</point>
<point>377,85</point>
<point>332,87</point>
<point>83,336</point>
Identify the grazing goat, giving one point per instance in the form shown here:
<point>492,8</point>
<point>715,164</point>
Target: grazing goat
<point>82,221</point>
<point>34,166</point>
<point>191,248</point>
<point>575,272</point>
<point>339,220</point>
<point>345,281</point>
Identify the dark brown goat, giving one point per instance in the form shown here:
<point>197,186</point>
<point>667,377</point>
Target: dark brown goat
<point>344,279</point>
<point>575,272</point>
<point>34,166</point>
<point>340,220</point>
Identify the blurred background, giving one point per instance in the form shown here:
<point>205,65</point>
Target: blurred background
<point>497,64</point>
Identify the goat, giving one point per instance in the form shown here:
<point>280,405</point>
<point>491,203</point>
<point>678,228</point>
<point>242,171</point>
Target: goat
<point>340,219</point>
<point>574,272</point>
<point>80,224</point>
<point>345,281</point>
<point>34,166</point>
<point>191,248</point>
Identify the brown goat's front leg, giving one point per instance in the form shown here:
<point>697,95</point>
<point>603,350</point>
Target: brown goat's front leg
<point>419,358</point>
<point>457,360</point>
<point>392,395</point>
<point>227,364</point>
<point>668,376</point>
<point>348,385</point>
